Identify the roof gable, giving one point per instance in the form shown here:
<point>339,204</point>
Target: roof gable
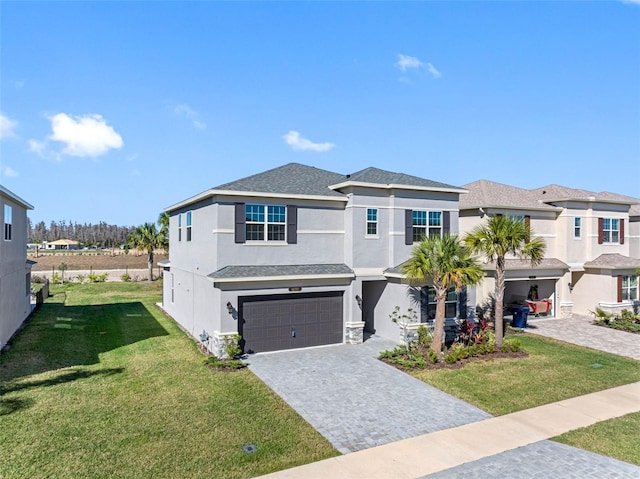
<point>292,178</point>
<point>485,193</point>
<point>383,177</point>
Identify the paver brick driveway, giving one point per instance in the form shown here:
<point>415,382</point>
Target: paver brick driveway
<point>357,401</point>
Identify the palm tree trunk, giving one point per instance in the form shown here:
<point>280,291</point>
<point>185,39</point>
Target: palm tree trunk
<point>438,331</point>
<point>150,265</point>
<point>499,294</point>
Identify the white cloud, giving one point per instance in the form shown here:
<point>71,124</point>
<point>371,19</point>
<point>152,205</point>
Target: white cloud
<point>8,171</point>
<point>185,110</point>
<point>634,2</point>
<point>37,146</point>
<point>405,61</point>
<point>87,135</point>
<point>434,72</point>
<point>297,142</point>
<point>7,127</point>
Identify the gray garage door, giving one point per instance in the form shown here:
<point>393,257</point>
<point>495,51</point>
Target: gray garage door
<point>288,321</point>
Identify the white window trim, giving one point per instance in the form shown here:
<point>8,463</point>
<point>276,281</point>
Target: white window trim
<point>610,230</point>
<point>7,208</point>
<point>179,226</point>
<point>427,227</point>
<point>629,288</point>
<point>368,222</point>
<point>189,225</point>
<point>579,227</point>
<point>266,224</point>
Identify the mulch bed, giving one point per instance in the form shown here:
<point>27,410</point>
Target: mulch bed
<point>460,364</point>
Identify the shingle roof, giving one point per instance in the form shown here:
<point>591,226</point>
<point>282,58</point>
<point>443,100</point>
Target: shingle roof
<point>634,210</point>
<point>613,261</point>
<point>275,271</point>
<point>485,193</point>
<point>520,265</point>
<point>383,177</point>
<point>292,178</point>
<point>559,192</point>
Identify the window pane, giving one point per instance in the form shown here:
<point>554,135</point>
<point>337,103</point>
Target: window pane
<point>372,228</point>
<point>419,233</point>
<point>180,220</point>
<point>372,214</point>
<point>254,213</point>
<point>276,214</point>
<point>419,218</point>
<point>435,218</point>
<point>606,223</point>
<point>450,310</point>
<point>255,232</point>
<point>615,224</point>
<point>615,236</point>
<point>7,214</point>
<point>188,218</point>
<point>606,236</point>
<point>576,222</point>
<point>275,232</point>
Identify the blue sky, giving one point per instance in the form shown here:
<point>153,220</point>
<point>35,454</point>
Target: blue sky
<point>112,111</point>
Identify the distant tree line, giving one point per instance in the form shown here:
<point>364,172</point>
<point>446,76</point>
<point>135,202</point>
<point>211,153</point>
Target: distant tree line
<point>101,234</point>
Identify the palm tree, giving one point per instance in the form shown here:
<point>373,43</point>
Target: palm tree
<point>148,238</point>
<point>446,262</point>
<point>163,221</point>
<point>499,237</point>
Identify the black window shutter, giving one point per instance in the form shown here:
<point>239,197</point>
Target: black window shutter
<point>527,225</point>
<point>621,231</point>
<point>292,224</point>
<point>462,302</point>
<point>408,227</point>
<point>446,222</point>
<point>240,232</point>
<point>424,304</point>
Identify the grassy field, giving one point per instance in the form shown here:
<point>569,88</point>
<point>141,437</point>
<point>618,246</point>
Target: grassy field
<point>553,371</point>
<point>77,261</point>
<point>102,384</point>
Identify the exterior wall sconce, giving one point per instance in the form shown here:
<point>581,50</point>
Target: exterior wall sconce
<point>570,287</point>
<point>229,307</point>
<point>359,300</point>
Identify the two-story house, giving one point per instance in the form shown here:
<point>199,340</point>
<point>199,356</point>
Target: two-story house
<point>593,245</point>
<point>15,269</point>
<point>299,256</point>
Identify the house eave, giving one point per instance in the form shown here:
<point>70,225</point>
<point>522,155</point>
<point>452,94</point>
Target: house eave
<point>394,186</point>
<point>251,194</point>
<point>302,277</point>
<point>15,198</point>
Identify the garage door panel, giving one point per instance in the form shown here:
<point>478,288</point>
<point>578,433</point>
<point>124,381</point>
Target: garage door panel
<point>267,321</point>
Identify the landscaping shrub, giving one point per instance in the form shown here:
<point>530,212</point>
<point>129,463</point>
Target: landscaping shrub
<point>126,277</point>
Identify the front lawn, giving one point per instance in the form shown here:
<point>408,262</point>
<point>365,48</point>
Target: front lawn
<point>101,383</point>
<point>618,438</point>
<point>553,371</point>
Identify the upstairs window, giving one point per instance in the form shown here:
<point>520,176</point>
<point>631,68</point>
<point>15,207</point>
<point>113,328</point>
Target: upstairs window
<point>435,223</point>
<point>372,222</point>
<point>265,222</point>
<point>189,214</point>
<point>180,227</point>
<point>419,225</point>
<point>8,222</point>
<point>610,230</point>
<point>577,228</point>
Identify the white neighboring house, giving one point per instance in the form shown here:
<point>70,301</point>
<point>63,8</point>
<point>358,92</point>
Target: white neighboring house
<point>15,270</point>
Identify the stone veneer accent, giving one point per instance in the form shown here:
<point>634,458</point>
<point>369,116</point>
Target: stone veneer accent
<point>566,310</point>
<point>217,343</point>
<point>354,332</point>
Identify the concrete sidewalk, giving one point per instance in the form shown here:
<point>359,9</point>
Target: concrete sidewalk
<point>438,451</point>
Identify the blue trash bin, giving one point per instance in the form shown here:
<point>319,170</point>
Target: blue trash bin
<point>520,316</point>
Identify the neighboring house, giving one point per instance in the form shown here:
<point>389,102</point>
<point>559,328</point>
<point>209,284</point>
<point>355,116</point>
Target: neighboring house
<point>593,246</point>
<point>15,270</point>
<point>62,244</point>
<point>299,256</point>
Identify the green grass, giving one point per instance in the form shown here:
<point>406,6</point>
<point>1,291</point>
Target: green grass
<point>553,371</point>
<point>101,383</point>
<point>618,438</point>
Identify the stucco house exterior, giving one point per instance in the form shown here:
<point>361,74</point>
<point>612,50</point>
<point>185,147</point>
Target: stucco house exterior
<point>15,269</point>
<point>593,245</point>
<point>298,256</point>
